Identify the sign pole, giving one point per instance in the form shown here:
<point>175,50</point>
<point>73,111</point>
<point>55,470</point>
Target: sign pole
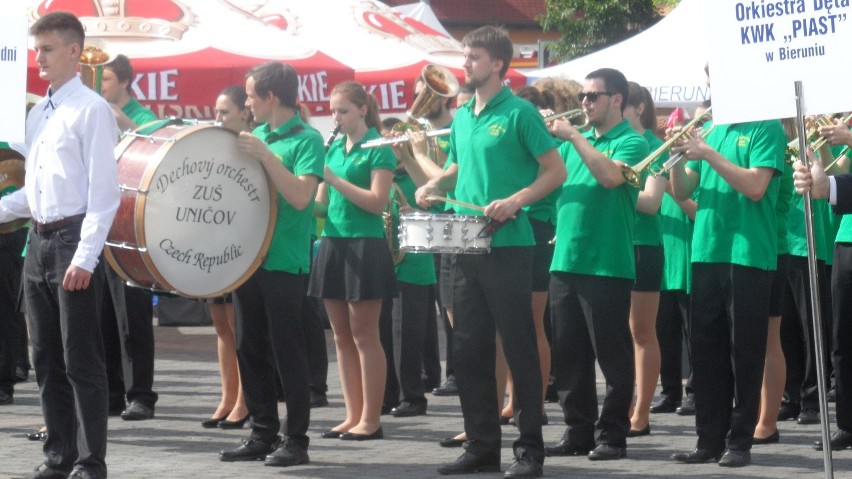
<point>815,297</point>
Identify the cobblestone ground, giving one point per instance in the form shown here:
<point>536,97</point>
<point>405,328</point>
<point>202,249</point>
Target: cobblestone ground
<point>174,445</point>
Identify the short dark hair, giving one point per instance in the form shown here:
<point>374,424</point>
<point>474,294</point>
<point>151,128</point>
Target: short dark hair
<point>495,41</point>
<point>614,82</point>
<point>120,65</point>
<point>237,95</point>
<point>276,77</point>
<point>65,24</point>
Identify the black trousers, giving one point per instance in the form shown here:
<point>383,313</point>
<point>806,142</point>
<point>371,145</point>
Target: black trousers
<point>68,353</point>
<point>12,327</point>
<point>591,321</point>
<point>672,328</point>
<point>841,348</point>
<point>493,293</point>
<point>270,341</point>
<point>431,348</point>
<point>730,318</point>
<point>315,343</point>
<point>408,310</point>
<point>128,327</point>
<point>797,333</point>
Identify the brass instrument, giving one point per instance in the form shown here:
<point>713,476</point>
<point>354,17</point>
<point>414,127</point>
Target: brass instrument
<point>814,139</point>
<point>93,58</point>
<point>571,115</point>
<point>633,174</point>
<point>391,222</point>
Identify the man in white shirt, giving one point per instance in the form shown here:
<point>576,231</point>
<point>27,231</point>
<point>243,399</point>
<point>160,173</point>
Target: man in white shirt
<point>71,193</point>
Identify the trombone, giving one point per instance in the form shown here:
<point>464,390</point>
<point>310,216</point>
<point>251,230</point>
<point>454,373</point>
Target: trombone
<point>633,174</point>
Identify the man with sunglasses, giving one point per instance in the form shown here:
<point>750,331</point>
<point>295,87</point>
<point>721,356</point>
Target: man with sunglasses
<point>593,271</point>
<point>734,172</point>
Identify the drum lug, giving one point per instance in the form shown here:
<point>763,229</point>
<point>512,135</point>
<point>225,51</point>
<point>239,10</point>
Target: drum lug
<point>429,230</point>
<point>448,230</point>
<point>130,188</point>
<point>465,230</point>
<point>125,246</point>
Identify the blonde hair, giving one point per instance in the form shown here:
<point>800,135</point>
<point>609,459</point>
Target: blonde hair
<point>564,91</point>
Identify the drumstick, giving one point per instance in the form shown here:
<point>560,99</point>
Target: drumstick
<point>457,202</point>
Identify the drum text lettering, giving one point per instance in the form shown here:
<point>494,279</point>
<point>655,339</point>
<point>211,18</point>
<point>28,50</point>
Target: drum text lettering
<point>181,256</point>
<point>200,167</point>
<point>238,176</point>
<point>204,215</point>
<point>207,193</point>
<point>206,263</point>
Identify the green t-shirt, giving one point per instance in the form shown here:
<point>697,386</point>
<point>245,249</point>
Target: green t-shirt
<point>594,227</point>
<point>415,268</point>
<point>496,153</point>
<point>137,113</point>
<point>345,219</point>
<point>796,239</point>
<point>782,208</point>
<point>676,231</point>
<point>300,148</point>
<point>647,230</point>
<point>729,227</point>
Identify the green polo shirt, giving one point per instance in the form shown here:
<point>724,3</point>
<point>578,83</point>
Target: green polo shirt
<point>729,227</point>
<point>415,268</point>
<point>345,219</point>
<point>647,232</point>
<point>137,113</point>
<point>676,231</point>
<point>594,226</point>
<point>496,153</point>
<point>10,188</point>
<point>300,148</point>
<point>782,207</point>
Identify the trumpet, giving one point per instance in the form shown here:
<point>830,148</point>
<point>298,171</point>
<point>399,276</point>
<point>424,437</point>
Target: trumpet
<point>633,174</point>
<point>571,115</point>
<point>815,140</point>
<point>401,139</point>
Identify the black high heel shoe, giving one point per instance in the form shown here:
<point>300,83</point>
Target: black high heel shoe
<point>233,424</point>
<point>214,423</point>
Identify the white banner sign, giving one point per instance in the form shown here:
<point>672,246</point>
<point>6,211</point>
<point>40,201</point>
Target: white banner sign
<point>760,48</point>
<point>13,71</point>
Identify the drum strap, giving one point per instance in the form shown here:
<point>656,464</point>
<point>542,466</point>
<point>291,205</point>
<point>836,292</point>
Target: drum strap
<point>273,137</point>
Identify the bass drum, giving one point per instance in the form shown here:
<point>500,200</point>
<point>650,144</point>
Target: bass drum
<point>196,217</point>
<point>12,175</point>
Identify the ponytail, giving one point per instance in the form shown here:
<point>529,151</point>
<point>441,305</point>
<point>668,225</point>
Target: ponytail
<point>356,93</point>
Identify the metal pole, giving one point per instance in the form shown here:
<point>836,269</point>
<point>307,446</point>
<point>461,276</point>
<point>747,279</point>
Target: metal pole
<point>815,299</point>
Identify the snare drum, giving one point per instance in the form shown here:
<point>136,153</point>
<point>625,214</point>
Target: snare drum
<point>196,216</point>
<point>441,233</point>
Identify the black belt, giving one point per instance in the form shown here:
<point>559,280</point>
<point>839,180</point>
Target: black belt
<point>58,224</point>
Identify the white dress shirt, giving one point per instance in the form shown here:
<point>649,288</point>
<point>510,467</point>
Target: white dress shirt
<point>70,167</point>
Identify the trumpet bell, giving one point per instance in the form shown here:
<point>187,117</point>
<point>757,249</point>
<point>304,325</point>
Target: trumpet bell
<point>440,85</point>
<point>92,60</point>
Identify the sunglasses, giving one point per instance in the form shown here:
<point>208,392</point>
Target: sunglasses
<point>592,95</point>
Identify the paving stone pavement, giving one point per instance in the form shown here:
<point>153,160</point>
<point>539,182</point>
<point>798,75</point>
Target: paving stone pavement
<point>173,445</point>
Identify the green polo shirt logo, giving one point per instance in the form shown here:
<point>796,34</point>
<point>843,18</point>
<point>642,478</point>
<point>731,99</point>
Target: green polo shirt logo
<point>743,141</point>
<point>496,130</point>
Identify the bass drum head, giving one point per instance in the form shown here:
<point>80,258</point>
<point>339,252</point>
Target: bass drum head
<point>208,215</point>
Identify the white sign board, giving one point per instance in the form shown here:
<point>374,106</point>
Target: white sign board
<point>760,48</point>
<point>13,71</point>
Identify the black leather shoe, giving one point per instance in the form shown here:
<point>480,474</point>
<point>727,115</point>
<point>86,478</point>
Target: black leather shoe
<point>645,431</point>
<point>250,450</point>
<point>698,456</point>
<point>808,416</point>
<point>770,439</point>
<point>21,374</point>
<point>841,439</point>
<point>5,399</point>
<point>80,472</point>
<point>452,442</point>
<point>46,472</point>
<point>354,436</point>
<point>288,454</point>
<point>469,463</point>
<point>449,388</point>
<point>664,405</point>
<point>409,409</point>
<point>789,410</point>
<point>563,448</point>
<point>137,412</point>
<point>213,423</point>
<point>524,466</point>
<point>687,408</point>
<point>331,434</point>
<point>735,458</point>
<point>318,399</point>
<point>606,452</point>
<point>37,435</point>
<point>238,424</point>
